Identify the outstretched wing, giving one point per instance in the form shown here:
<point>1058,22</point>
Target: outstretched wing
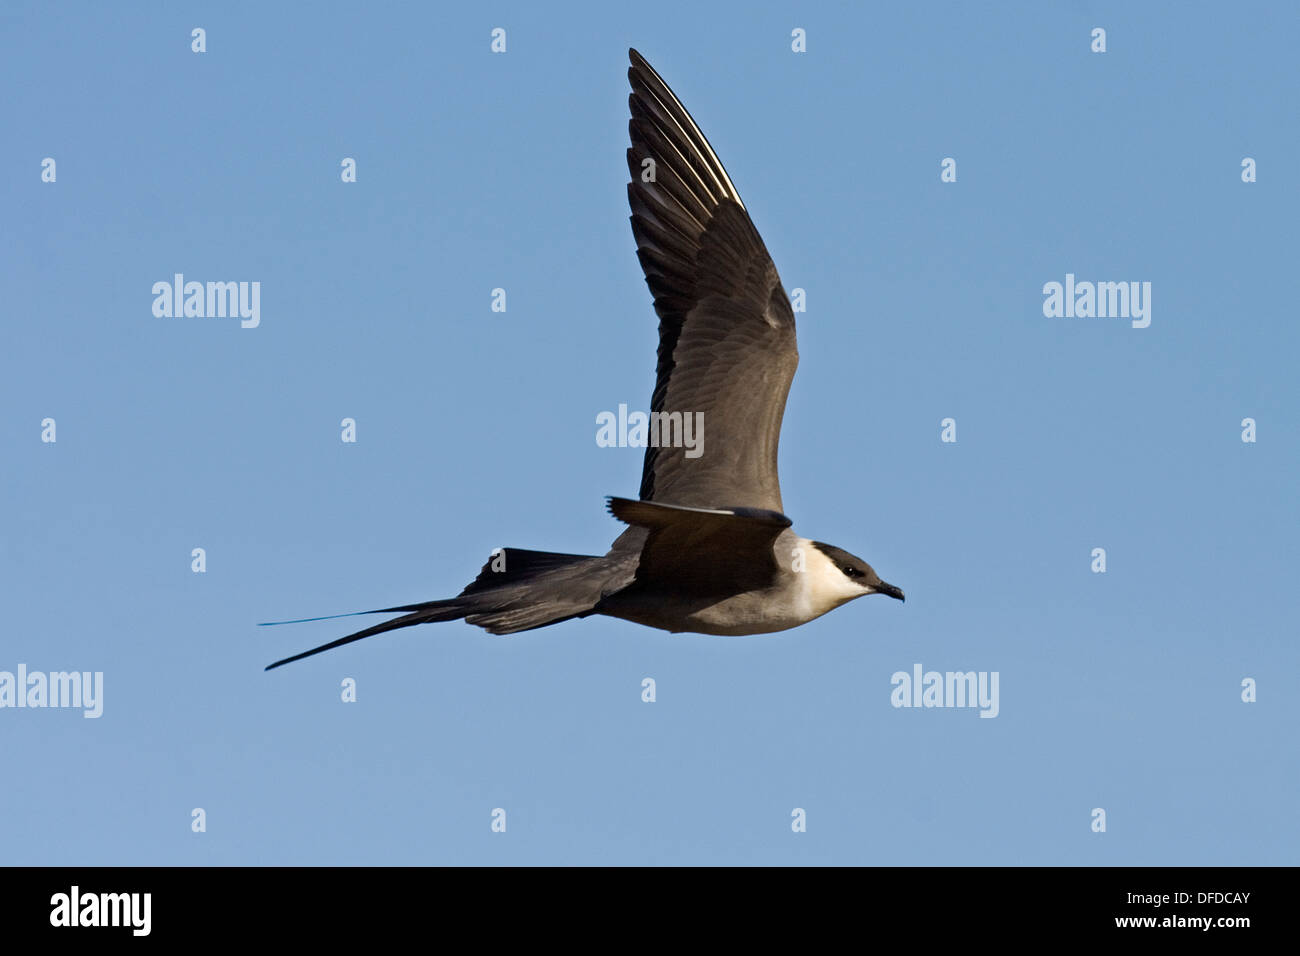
<point>726,329</point>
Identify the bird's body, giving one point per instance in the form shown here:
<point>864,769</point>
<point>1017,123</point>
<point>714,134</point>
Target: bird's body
<point>708,548</point>
<point>792,598</point>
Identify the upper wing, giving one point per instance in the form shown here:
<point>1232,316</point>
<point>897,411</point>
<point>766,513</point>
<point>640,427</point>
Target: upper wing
<point>704,550</point>
<point>726,329</point>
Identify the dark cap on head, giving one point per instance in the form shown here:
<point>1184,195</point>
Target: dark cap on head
<point>857,569</point>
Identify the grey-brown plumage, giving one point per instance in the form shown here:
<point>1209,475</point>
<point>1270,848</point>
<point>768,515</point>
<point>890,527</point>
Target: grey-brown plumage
<point>726,329</point>
<point>708,547</point>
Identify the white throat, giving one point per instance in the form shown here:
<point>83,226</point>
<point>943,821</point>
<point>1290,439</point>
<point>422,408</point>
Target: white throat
<point>825,586</point>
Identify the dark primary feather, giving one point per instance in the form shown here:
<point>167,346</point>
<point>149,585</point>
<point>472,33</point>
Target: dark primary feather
<point>726,329</point>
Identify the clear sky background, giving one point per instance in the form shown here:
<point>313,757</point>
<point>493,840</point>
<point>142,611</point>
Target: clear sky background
<point>477,429</point>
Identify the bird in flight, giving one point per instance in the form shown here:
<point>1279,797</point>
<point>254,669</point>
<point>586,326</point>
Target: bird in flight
<point>708,547</point>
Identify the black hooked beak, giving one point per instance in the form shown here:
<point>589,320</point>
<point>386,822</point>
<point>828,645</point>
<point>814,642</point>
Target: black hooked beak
<point>893,592</point>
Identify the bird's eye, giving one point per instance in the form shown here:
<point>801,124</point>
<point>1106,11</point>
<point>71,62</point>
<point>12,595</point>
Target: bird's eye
<point>852,571</point>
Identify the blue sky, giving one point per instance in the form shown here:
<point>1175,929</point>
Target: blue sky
<point>476,429</point>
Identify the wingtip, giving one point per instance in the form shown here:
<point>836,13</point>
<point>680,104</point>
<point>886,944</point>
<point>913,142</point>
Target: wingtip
<point>639,64</point>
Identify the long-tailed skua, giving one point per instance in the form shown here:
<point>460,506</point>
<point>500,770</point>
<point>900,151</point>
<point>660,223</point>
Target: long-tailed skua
<point>708,548</point>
